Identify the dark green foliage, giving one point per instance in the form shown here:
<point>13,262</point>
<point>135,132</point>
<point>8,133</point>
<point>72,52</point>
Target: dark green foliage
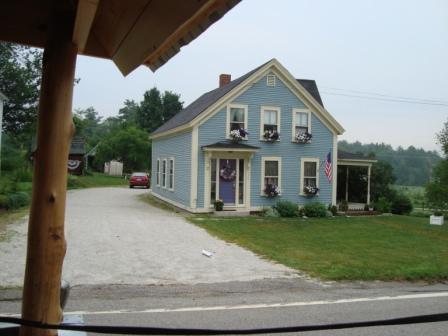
<point>156,109</point>
<point>315,209</point>
<point>411,166</point>
<point>219,205</point>
<point>401,205</point>
<point>333,209</point>
<point>437,189</point>
<point>4,202</point>
<point>129,145</point>
<point>18,199</point>
<point>343,206</point>
<point>366,207</point>
<point>382,205</point>
<point>286,209</point>
<point>381,179</point>
<point>438,213</point>
<point>20,76</point>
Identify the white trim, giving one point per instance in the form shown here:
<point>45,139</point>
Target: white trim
<point>158,172</point>
<point>302,170</point>
<point>299,110</point>
<point>179,205</point>
<point>269,108</point>
<point>230,150</point>
<point>270,158</point>
<point>164,166</point>
<point>334,169</point>
<point>241,106</point>
<point>194,167</point>
<point>171,159</point>
<point>321,113</point>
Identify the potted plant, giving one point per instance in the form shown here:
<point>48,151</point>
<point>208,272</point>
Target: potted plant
<point>310,191</point>
<point>437,218</point>
<point>304,138</point>
<point>219,205</point>
<point>271,135</point>
<point>271,190</point>
<point>238,134</point>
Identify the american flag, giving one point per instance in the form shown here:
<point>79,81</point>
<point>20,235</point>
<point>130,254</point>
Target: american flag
<point>328,167</point>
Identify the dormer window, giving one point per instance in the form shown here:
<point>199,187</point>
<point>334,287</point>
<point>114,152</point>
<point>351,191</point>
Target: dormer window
<point>270,80</point>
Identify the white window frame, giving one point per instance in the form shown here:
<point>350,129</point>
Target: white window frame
<point>164,166</point>
<point>269,108</point>
<point>171,164</point>
<point>302,172</point>
<point>273,78</point>
<point>270,158</point>
<point>294,112</point>
<point>158,172</point>
<point>246,126</point>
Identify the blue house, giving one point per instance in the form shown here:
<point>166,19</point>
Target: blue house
<point>251,142</point>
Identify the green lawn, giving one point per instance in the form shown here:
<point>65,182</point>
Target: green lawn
<point>355,248</point>
<point>95,180</point>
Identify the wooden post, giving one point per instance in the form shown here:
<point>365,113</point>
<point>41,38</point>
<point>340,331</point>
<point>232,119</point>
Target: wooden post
<point>368,184</point>
<point>346,184</point>
<point>46,241</point>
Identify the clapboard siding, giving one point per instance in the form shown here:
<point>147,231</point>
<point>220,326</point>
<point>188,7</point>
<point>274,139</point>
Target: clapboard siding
<point>259,94</point>
<point>179,147</point>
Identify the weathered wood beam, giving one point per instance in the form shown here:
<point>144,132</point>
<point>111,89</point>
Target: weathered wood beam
<point>46,241</point>
<point>85,14</point>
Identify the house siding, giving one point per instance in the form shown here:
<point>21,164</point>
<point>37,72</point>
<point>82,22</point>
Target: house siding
<point>177,147</point>
<point>259,94</point>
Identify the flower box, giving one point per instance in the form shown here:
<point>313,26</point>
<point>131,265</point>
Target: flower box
<point>303,138</point>
<point>436,220</point>
<point>271,136</point>
<point>310,191</point>
<point>271,190</point>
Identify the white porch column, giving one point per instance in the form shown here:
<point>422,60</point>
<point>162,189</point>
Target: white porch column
<point>368,184</point>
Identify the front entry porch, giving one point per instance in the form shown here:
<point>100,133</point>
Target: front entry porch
<point>353,179</point>
<point>227,175</point>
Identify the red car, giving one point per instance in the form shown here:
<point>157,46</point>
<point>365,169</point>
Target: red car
<point>139,180</point>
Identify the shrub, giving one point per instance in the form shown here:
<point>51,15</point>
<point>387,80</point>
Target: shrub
<point>382,205</point>
<point>343,206</point>
<point>333,209</point>
<point>18,199</point>
<point>401,205</point>
<point>286,209</point>
<point>270,213</point>
<point>438,213</point>
<point>73,182</point>
<point>4,202</point>
<point>315,209</point>
<point>23,175</point>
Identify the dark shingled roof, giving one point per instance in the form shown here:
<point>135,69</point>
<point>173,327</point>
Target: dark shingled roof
<point>77,146</point>
<point>209,98</point>
<point>230,145</point>
<point>311,86</point>
<point>350,156</point>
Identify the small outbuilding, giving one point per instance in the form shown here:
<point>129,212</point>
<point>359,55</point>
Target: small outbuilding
<point>75,162</point>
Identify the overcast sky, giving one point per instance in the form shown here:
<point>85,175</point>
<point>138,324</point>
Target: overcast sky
<point>385,47</point>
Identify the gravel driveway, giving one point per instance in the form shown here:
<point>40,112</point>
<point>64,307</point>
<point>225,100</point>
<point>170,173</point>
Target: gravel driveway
<point>115,238</point>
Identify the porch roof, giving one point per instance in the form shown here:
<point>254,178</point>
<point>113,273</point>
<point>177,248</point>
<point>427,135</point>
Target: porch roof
<point>230,146</point>
<point>354,159</point>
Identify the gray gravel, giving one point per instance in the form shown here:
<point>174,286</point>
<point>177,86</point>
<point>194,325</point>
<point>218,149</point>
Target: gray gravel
<point>115,238</point>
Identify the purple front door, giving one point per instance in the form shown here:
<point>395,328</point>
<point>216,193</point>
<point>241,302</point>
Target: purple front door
<point>227,180</point>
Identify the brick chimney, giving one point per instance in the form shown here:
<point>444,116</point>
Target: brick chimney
<point>224,79</point>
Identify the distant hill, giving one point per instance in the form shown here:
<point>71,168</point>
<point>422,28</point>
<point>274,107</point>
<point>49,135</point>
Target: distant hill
<point>412,166</point>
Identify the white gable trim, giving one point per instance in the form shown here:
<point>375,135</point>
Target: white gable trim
<point>287,79</point>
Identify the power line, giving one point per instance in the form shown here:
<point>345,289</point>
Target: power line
<point>385,99</point>
<point>388,96</point>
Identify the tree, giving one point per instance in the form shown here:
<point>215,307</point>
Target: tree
<point>381,178</point>
<point>128,113</point>
<point>156,109</point>
<point>129,145</point>
<point>88,125</point>
<point>20,78</point>
<point>437,189</point>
